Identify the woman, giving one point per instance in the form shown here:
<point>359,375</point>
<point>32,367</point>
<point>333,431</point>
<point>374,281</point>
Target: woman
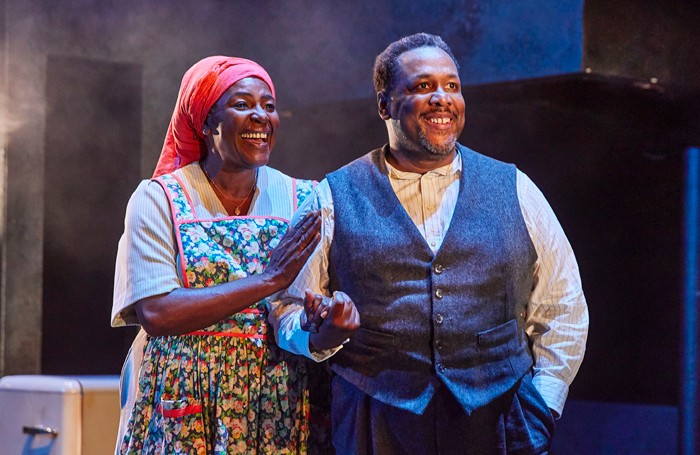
<point>195,264</point>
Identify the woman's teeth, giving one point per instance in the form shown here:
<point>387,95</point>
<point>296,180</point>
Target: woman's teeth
<point>254,135</point>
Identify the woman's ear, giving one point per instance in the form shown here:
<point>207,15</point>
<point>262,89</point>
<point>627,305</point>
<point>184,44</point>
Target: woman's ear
<point>209,125</point>
<point>384,105</point>
<point>206,127</point>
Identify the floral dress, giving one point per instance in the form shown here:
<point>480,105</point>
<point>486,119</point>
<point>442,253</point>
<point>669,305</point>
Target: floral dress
<point>226,389</point>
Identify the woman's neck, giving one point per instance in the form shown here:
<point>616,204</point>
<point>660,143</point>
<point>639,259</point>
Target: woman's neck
<point>234,183</point>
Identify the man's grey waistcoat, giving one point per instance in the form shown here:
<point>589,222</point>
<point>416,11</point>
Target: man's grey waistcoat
<point>454,317</point>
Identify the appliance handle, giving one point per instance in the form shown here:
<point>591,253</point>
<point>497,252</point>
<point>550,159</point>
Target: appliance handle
<point>37,429</point>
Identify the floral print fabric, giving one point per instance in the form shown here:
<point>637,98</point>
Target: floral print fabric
<point>226,389</point>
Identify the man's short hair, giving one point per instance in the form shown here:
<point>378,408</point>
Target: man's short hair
<point>386,63</point>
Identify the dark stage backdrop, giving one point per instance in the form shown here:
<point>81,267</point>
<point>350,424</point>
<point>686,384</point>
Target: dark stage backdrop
<point>93,143</point>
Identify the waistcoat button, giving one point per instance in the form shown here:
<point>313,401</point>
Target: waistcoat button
<point>438,293</point>
<point>439,344</point>
<point>439,318</point>
<point>437,268</point>
<point>441,368</point>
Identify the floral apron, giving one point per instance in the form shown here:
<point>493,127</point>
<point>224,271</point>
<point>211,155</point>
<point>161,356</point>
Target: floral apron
<point>227,388</point>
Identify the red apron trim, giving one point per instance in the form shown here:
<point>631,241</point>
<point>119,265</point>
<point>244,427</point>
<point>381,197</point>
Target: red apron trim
<point>229,334</point>
<point>178,237</point>
<point>251,310</point>
<point>194,409</point>
<point>187,195</point>
<point>295,200</point>
<point>235,217</point>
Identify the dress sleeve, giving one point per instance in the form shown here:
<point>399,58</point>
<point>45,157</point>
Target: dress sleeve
<point>557,314</point>
<point>286,308</point>
<point>147,254</point>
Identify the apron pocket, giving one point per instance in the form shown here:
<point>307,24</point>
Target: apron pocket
<point>183,425</point>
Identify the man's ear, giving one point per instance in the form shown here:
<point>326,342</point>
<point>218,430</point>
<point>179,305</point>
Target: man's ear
<point>384,105</point>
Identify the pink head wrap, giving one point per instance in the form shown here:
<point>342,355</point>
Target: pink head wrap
<point>201,87</point>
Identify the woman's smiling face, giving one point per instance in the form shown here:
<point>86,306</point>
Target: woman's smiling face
<point>242,126</point>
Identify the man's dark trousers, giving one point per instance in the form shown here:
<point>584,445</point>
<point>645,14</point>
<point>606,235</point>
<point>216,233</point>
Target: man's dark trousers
<point>517,423</point>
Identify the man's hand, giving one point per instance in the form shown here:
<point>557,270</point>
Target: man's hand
<point>334,319</point>
<point>316,309</point>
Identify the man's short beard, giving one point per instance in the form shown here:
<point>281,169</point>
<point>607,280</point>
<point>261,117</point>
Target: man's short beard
<point>422,145</point>
<point>442,149</point>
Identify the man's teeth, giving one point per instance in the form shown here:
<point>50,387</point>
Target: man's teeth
<point>254,135</point>
<point>439,120</point>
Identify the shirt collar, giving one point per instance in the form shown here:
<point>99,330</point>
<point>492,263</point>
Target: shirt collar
<point>452,168</point>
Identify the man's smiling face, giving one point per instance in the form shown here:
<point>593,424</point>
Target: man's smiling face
<point>426,110</point>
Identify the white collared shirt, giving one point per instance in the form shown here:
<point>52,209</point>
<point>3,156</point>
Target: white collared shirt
<point>429,199</point>
<point>557,315</point>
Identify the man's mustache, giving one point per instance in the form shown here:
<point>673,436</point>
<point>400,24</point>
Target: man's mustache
<point>440,110</point>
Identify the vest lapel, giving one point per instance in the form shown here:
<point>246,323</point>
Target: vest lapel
<point>385,198</point>
<point>466,190</point>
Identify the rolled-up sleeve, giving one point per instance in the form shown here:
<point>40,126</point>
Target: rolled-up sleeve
<point>286,308</point>
<point>557,314</point>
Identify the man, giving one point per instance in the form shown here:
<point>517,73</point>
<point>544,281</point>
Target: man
<point>472,318</point>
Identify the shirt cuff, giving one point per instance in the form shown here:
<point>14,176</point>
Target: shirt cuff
<point>290,336</point>
<point>318,356</point>
<point>553,390</point>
